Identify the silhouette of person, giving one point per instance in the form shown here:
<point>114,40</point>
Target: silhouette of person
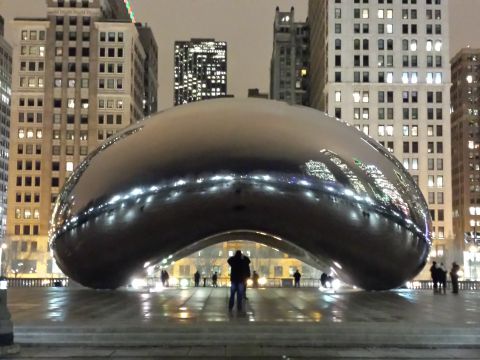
<point>255,278</point>
<point>296,277</point>
<point>238,276</point>
<point>164,278</point>
<point>196,278</point>
<point>454,277</point>
<point>442,278</point>
<point>323,279</point>
<point>214,279</point>
<point>434,275</point>
<point>246,264</point>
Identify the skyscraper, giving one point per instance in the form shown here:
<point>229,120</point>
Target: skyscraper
<point>78,79</point>
<point>383,67</point>
<point>150,101</point>
<point>290,58</point>
<point>5,99</point>
<point>466,156</point>
<point>200,70</point>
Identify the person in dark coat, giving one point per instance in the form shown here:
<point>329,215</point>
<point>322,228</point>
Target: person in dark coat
<point>323,279</point>
<point>454,277</point>
<point>238,277</point>
<point>442,278</point>
<point>297,277</point>
<point>214,279</point>
<point>434,275</point>
<point>196,277</point>
<point>246,264</point>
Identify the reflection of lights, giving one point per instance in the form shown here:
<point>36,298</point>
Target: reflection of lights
<point>136,192</point>
<point>336,284</point>
<point>348,192</point>
<point>138,283</point>
<point>173,281</point>
<point>158,287</point>
<point>337,265</point>
<point>473,249</point>
<point>262,281</point>
<point>249,282</point>
<point>147,264</point>
<point>460,273</point>
<point>114,199</point>
<point>184,283</point>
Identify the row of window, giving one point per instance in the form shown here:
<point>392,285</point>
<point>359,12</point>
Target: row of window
<point>28,181</point>
<point>110,103</point>
<point>110,83</point>
<point>110,68</point>
<point>388,113</point>
<point>72,51</point>
<point>70,119</point>
<point>71,103</point>
<point>32,66</point>
<point>404,2</point>
<point>387,77</point>
<point>410,130</point>
<point>30,102</point>
<point>413,164</point>
<point>29,165</point>
<point>68,150</point>
<point>24,248</point>
<point>27,213</point>
<point>32,82</point>
<point>73,20</point>
<point>70,135</point>
<point>33,35</point>
<point>111,52</point>
<point>30,133</point>
<point>71,83</point>
<point>32,50</point>
<point>27,197</point>
<point>72,36</point>
<point>387,96</point>
<point>30,117</point>
<point>72,67</point>
<point>111,36</point>
<point>26,230</point>
<point>73,3</point>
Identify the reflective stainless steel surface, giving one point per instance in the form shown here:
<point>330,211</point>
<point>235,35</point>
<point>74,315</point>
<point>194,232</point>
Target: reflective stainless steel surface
<point>290,177</point>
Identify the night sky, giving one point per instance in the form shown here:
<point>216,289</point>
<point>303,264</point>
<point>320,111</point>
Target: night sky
<point>246,25</point>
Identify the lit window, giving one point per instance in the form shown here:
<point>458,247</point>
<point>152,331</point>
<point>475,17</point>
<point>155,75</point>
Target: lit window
<point>69,166</point>
<point>365,13</point>
<point>338,96</point>
<point>469,79</point>
<point>356,96</point>
<point>389,14</point>
<point>365,97</point>
<point>439,181</point>
<point>71,103</point>
<point>414,164</point>
<point>389,29</point>
<point>431,181</point>
<point>389,130</point>
<point>413,45</point>
<point>438,45</point>
<point>381,130</point>
<point>429,45</point>
<point>389,77</point>
<point>39,134</point>
<point>406,163</point>
<point>429,78</point>
<point>438,78</point>
<point>29,133</point>
<point>405,78</point>
<point>380,14</point>
<point>21,133</point>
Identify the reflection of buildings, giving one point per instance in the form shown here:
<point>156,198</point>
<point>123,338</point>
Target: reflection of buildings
<point>384,69</point>
<point>79,77</point>
<point>200,70</point>
<point>5,97</point>
<point>289,65</point>
<point>465,94</point>
<point>255,93</point>
<point>268,262</point>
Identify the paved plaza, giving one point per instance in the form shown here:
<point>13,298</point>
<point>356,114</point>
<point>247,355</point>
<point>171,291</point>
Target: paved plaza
<point>194,322</point>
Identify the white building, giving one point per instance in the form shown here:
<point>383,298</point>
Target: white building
<point>383,66</point>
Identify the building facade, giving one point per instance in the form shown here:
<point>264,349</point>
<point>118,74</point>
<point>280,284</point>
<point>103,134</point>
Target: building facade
<point>255,93</point>
<point>5,99</point>
<point>150,101</point>
<point>382,66</point>
<point>78,79</point>
<point>290,59</point>
<point>466,156</point>
<point>200,70</point>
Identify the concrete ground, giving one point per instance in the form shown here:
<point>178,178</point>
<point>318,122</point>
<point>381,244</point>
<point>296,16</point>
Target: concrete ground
<point>278,323</point>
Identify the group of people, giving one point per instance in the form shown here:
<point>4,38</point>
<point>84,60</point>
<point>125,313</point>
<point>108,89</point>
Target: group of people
<point>439,277</point>
<point>164,276</point>
<point>196,279</point>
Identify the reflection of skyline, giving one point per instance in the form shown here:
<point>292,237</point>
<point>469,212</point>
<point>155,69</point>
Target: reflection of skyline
<point>345,169</point>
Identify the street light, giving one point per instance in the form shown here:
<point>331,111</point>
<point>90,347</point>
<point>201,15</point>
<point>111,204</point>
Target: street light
<point>2,247</point>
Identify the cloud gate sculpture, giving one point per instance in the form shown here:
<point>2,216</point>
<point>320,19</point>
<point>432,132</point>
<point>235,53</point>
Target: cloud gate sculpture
<point>289,177</point>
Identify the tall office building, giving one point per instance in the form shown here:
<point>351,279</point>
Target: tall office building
<point>382,66</point>
<point>465,99</point>
<point>290,58</point>
<point>78,78</point>
<point>200,70</point>
<point>5,98</point>
<point>150,101</point>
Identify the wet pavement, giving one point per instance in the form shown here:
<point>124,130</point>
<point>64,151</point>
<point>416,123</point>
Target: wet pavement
<point>199,305</point>
<point>279,323</point>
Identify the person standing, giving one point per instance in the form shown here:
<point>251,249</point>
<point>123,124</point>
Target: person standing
<point>454,277</point>
<point>246,270</point>
<point>442,278</point>
<point>214,279</point>
<point>255,278</point>
<point>196,278</point>
<point>238,276</point>
<point>297,277</point>
<point>434,275</point>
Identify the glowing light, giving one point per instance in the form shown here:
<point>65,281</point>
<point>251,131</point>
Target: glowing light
<point>147,264</point>
<point>262,281</point>
<point>184,283</point>
<point>337,265</point>
<point>336,284</point>
<point>349,192</point>
<point>249,282</point>
<point>138,283</point>
<point>114,199</point>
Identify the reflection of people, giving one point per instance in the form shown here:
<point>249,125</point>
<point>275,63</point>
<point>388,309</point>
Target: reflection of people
<point>164,278</point>
<point>442,278</point>
<point>255,279</point>
<point>454,277</point>
<point>297,277</point>
<point>196,277</point>
<point>214,279</point>
<point>434,275</point>
<point>239,266</point>
<point>246,264</point>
